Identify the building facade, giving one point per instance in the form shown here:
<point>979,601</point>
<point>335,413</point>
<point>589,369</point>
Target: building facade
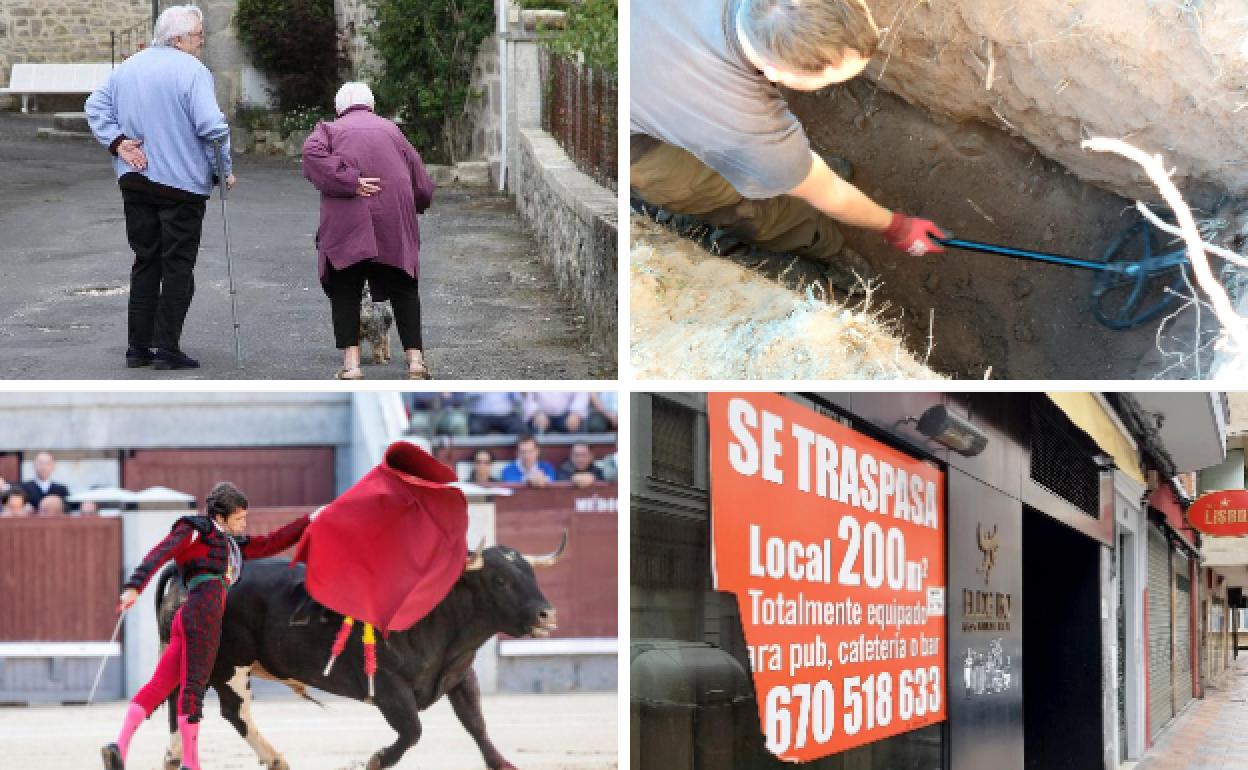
<point>1073,622</point>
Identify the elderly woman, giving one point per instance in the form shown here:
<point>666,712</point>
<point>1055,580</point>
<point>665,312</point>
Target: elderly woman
<point>372,184</point>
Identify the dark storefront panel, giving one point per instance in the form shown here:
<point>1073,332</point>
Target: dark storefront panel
<point>985,627</point>
<point>1160,699</point>
<point>1062,681</point>
<point>1182,631</point>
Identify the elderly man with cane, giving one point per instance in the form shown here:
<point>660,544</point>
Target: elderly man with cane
<point>158,116</point>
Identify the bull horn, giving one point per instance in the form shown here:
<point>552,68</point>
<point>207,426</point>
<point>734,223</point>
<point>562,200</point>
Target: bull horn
<point>550,559</point>
<point>476,559</point>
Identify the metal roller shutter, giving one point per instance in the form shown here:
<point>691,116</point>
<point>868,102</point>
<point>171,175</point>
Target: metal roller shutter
<point>1182,631</point>
<point>1160,704</point>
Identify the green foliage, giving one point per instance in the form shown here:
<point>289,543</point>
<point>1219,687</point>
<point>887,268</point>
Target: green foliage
<point>304,119</point>
<point>427,48</point>
<point>256,118</point>
<point>592,32</point>
<point>295,44</point>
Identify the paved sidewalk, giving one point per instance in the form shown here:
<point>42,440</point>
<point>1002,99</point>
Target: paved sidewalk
<point>490,306</point>
<point>1212,734</point>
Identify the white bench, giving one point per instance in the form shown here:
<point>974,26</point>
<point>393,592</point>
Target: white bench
<point>28,80</point>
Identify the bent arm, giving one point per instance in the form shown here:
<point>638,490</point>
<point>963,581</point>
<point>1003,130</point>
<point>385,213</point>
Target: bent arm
<point>165,550</point>
<point>102,117</point>
<point>209,121</point>
<point>274,542</point>
<point>329,173</point>
<point>839,199</point>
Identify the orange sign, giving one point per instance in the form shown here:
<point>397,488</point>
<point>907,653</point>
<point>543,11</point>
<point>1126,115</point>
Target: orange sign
<point>1224,514</point>
<point>834,545</point>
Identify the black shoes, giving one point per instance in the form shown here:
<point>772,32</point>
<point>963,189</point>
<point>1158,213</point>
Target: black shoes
<point>136,357</point>
<point>112,757</point>
<point>174,359</point>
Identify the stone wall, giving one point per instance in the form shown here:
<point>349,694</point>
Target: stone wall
<point>483,113</point>
<point>62,31</point>
<point>575,223</point>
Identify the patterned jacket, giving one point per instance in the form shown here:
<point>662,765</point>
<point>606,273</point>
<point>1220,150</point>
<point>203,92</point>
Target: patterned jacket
<point>199,547</point>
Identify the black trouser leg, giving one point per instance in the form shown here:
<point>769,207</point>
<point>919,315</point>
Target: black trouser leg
<point>164,235</point>
<point>345,288</point>
<point>181,226</point>
<point>143,232</point>
<point>404,294</point>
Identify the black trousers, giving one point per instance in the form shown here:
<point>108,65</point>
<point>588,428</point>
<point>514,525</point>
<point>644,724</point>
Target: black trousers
<point>345,288</point>
<point>164,234</point>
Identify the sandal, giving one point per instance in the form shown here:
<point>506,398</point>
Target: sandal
<point>417,369</point>
<point>344,373</point>
<point>419,374</point>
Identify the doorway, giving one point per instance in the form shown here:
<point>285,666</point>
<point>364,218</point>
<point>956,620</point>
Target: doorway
<point>1062,705</point>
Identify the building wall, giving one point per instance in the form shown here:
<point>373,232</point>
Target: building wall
<point>62,31</point>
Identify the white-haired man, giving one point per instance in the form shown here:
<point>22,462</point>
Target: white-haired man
<point>158,116</point>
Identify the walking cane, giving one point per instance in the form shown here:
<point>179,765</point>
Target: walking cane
<point>229,266</point>
<point>103,663</point>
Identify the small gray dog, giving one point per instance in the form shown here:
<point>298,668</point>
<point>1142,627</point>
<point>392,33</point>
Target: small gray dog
<point>376,318</point>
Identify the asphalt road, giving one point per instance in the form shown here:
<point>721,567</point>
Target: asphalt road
<point>490,306</point>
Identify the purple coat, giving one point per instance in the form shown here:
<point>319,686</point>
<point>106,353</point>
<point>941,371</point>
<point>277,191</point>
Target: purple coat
<point>381,227</point>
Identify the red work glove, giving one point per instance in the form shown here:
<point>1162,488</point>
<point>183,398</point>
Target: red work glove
<point>913,235</point>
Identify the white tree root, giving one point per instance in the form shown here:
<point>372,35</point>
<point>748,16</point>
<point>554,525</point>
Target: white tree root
<point>1236,328</point>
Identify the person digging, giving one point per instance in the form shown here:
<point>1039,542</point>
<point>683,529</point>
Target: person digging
<point>723,149</point>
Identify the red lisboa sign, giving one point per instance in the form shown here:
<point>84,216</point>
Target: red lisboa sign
<point>1221,514</point>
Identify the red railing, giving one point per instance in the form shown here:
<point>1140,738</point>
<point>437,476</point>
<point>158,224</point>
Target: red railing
<point>579,110</point>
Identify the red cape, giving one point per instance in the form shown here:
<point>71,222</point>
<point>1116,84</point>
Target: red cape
<point>390,548</point>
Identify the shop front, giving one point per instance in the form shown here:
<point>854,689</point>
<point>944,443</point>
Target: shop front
<point>755,570</point>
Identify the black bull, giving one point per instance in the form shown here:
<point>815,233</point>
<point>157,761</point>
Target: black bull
<point>498,592</point>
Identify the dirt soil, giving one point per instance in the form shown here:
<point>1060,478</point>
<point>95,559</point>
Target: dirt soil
<point>993,315</point>
<point>1170,76</point>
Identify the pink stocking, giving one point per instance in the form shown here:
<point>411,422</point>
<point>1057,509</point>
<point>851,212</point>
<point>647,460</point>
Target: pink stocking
<point>190,743</point>
<point>134,717</point>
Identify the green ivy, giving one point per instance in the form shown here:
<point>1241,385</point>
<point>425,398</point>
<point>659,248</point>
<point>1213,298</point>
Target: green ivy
<point>592,32</point>
<point>295,44</point>
<point>427,49</point>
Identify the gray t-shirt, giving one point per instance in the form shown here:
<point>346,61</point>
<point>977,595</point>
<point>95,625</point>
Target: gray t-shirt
<point>693,87</point>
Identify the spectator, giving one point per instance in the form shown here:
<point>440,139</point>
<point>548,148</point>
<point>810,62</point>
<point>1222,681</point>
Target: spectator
<point>14,503</point>
<point>605,414</point>
<point>482,467</point>
<point>52,505</point>
<point>494,413</point>
<point>88,508</point>
<point>556,412</point>
<point>437,413</point>
<point>528,467</point>
<point>579,468</point>
<point>610,467</point>
<point>43,484</point>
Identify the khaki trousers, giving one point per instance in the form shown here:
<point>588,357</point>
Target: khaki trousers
<point>674,179</point>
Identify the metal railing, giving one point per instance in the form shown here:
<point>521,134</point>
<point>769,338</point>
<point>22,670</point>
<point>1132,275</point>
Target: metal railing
<point>129,41</point>
<point>579,111</point>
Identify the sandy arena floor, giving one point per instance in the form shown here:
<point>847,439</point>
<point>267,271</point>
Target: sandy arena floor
<point>535,732</point>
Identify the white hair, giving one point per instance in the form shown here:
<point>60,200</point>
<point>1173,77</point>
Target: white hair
<point>351,94</point>
<point>174,22</point>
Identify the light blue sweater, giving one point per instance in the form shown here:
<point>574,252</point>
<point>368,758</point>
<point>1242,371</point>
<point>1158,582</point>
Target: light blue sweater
<point>164,97</point>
